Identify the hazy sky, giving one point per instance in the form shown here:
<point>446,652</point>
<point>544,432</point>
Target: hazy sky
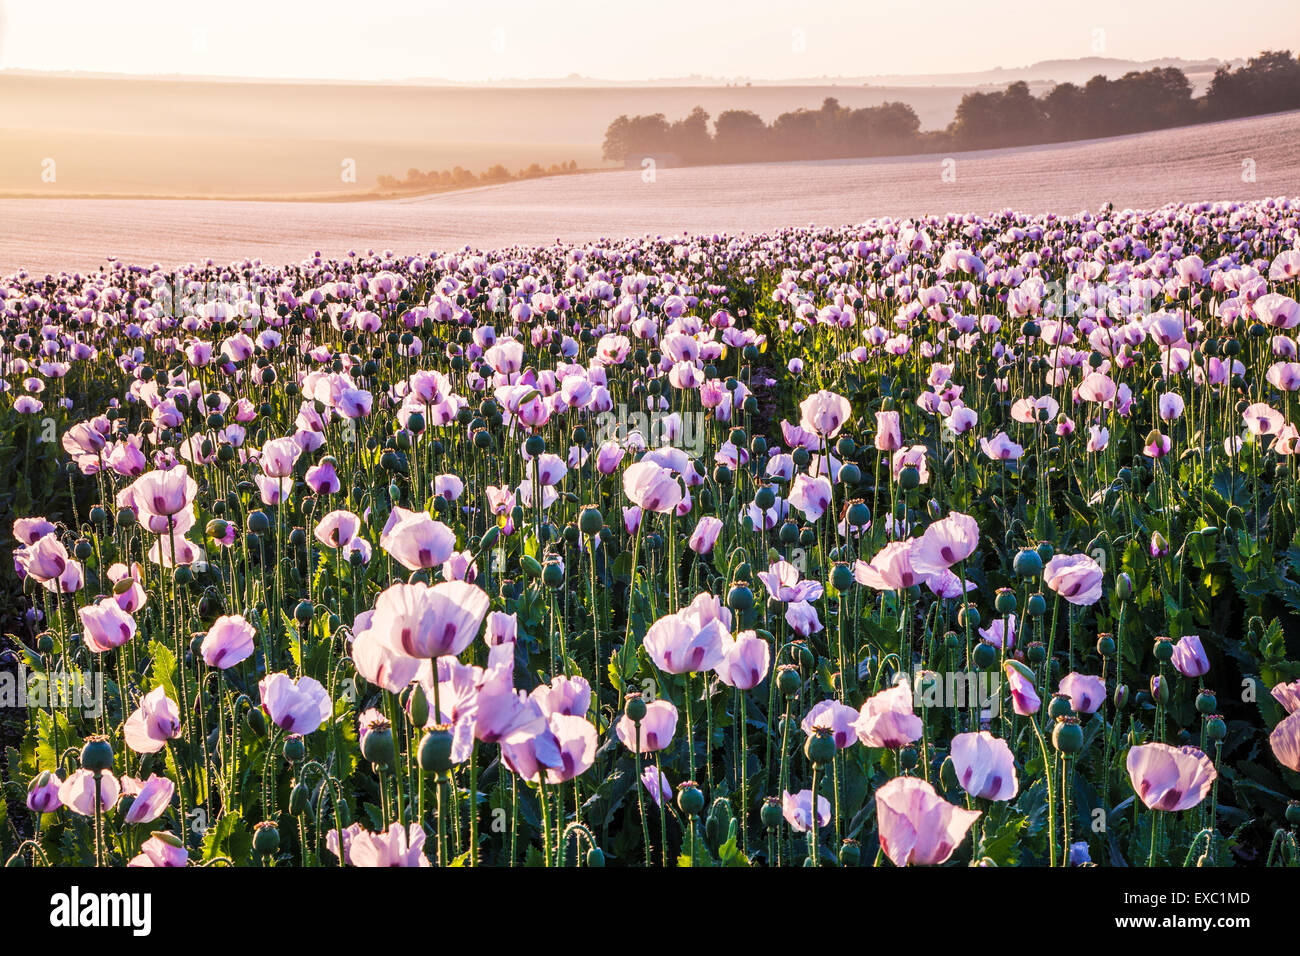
<point>618,39</point>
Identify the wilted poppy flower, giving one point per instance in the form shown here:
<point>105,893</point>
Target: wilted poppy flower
<point>917,826</point>
<point>1170,778</point>
<point>985,766</point>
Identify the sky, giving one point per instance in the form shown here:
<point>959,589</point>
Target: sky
<point>622,40</point>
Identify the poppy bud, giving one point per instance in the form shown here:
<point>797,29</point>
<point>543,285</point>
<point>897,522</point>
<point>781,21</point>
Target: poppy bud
<point>1120,696</point>
<point>418,704</point>
<point>595,857</point>
<point>1160,689</point>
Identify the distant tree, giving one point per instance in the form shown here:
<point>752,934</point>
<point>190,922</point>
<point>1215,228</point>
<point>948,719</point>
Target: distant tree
<point>739,136</point>
<point>637,136</point>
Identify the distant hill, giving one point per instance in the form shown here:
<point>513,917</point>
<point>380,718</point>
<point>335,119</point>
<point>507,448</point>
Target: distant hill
<point>1076,70</point>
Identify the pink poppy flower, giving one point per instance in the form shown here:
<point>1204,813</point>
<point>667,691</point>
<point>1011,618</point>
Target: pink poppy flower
<point>918,827</point>
<point>985,766</point>
<point>887,719</point>
<point>1170,778</point>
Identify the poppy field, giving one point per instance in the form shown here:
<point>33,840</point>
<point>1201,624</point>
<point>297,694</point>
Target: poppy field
<point>961,540</point>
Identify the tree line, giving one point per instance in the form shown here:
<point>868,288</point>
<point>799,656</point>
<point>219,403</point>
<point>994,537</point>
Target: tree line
<point>1136,102</point>
<point>458,176</point>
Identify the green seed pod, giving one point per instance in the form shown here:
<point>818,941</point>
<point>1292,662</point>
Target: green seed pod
<point>819,748</point>
<point>850,853</point>
<point>1036,606</point>
<point>435,750</point>
<point>1005,601</point>
<point>1027,564</point>
<point>97,754</point>
<point>1206,702</point>
<point>1067,735</point>
<point>1106,645</point>
<point>266,838</point>
<point>1060,706</point>
<point>1215,728</point>
<point>841,577</point>
<point>1163,650</point>
<point>295,747</point>
<point>377,745</point>
<point>771,815</point>
<point>634,707</point>
<point>689,798</point>
<point>985,656</point>
<point>531,566</point>
<point>788,681</point>
<point>590,521</point>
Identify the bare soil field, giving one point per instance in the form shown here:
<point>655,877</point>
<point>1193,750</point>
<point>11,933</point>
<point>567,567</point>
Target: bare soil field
<point>1239,159</point>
